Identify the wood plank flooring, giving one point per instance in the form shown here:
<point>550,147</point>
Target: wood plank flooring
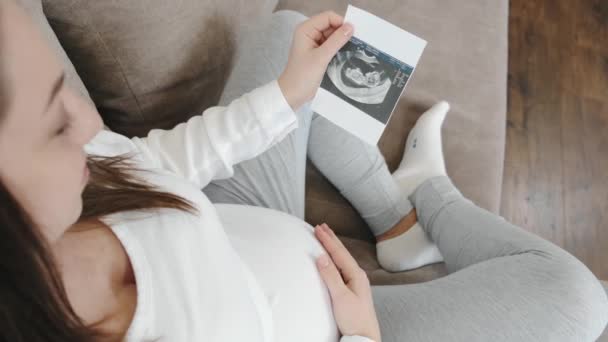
<point>556,164</point>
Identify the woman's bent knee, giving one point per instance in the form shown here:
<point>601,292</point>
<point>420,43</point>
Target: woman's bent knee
<point>579,299</point>
<point>289,17</point>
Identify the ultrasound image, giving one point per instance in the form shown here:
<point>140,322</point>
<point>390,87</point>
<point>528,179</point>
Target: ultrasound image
<point>366,78</point>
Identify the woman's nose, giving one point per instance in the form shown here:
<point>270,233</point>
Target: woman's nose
<point>86,118</point>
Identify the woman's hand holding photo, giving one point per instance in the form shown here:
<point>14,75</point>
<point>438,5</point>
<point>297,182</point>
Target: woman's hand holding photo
<point>348,286</point>
<point>315,42</point>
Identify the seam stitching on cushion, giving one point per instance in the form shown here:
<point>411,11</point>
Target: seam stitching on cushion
<point>122,73</point>
<point>62,22</point>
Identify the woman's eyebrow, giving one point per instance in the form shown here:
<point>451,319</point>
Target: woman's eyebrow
<point>56,87</point>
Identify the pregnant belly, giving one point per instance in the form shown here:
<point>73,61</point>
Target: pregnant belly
<point>280,250</point>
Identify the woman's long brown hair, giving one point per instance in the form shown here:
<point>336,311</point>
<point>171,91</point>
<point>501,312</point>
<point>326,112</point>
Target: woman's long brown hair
<point>33,302</point>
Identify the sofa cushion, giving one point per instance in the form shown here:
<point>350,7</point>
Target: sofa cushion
<point>34,9</point>
<point>151,63</point>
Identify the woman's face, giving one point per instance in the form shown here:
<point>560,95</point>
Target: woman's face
<point>43,127</point>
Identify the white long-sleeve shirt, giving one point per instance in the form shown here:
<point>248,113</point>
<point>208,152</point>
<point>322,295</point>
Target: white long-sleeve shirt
<point>232,272</point>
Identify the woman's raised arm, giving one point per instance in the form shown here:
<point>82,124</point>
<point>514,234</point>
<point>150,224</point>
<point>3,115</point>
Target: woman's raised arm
<point>207,146</point>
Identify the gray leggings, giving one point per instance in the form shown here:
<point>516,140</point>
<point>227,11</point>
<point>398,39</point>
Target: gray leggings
<point>505,284</point>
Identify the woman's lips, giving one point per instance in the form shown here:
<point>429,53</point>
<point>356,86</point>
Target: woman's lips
<point>86,173</point>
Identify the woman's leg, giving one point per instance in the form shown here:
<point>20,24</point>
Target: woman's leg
<point>359,171</point>
<point>275,178</point>
<point>506,284</point>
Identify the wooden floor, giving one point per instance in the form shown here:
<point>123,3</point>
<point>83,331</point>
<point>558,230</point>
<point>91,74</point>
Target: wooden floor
<point>556,165</point>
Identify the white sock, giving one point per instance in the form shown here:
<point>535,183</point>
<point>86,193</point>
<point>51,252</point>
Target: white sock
<point>407,251</point>
<point>422,159</point>
<point>423,156</point>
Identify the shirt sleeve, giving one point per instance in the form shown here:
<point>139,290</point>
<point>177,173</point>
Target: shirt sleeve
<point>207,146</point>
<point>355,339</point>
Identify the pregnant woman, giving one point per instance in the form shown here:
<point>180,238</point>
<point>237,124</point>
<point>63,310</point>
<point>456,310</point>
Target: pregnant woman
<point>105,238</point>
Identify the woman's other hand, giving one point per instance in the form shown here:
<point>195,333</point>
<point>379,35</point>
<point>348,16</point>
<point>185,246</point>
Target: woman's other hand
<point>315,42</point>
<point>348,286</point>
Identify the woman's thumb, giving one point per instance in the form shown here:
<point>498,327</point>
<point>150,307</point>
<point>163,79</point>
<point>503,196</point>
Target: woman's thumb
<point>337,40</point>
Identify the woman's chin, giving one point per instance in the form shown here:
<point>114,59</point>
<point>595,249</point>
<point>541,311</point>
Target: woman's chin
<point>77,212</point>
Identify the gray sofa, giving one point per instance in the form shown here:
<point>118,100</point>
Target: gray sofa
<point>154,63</point>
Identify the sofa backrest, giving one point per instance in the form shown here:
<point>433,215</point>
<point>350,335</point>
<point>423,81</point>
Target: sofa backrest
<point>151,63</point>
<point>34,9</point>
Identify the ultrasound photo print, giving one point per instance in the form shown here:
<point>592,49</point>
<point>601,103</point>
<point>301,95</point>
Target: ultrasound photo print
<point>366,78</point>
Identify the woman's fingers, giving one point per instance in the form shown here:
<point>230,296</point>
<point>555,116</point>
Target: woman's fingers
<point>321,31</point>
<point>324,20</point>
<point>323,36</point>
<point>315,42</point>
<point>343,260</point>
<point>336,40</point>
<point>327,33</point>
<point>331,276</point>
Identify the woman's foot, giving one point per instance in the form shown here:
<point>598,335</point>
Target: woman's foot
<point>407,246</point>
<point>423,156</point>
